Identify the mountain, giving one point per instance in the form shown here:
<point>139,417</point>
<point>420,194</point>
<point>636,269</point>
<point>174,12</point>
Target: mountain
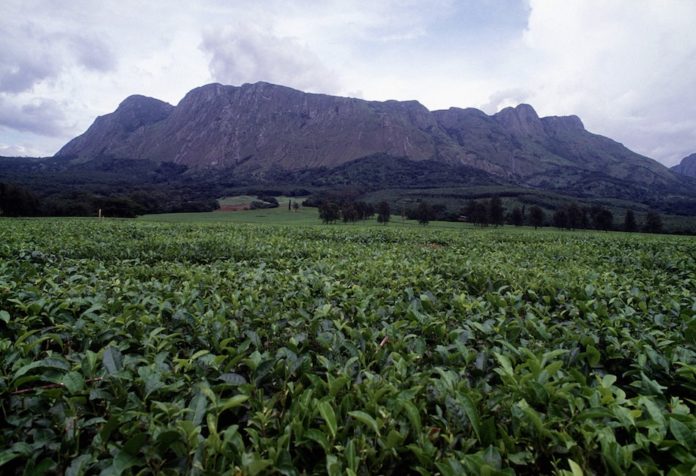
<point>687,166</point>
<point>263,126</point>
<point>261,130</point>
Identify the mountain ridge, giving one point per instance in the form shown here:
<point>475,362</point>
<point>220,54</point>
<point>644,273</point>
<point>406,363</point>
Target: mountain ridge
<point>261,129</point>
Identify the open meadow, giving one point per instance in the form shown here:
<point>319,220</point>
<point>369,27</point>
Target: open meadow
<point>231,345</point>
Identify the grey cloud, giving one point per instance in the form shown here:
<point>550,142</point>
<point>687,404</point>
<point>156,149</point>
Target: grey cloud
<point>30,55</point>
<point>24,60</point>
<point>669,143</point>
<point>41,116</point>
<point>242,54</point>
<point>22,75</point>
<point>92,53</point>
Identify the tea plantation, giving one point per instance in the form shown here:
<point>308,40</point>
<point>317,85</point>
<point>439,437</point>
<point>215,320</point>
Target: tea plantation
<point>149,348</point>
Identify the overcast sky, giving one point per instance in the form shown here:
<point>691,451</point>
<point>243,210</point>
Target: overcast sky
<point>626,67</point>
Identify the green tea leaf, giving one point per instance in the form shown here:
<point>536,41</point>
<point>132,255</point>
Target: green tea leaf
<point>79,466</point>
<point>233,379</point>
<point>6,456</point>
<point>198,407</point>
<point>327,413</point>
<point>112,360</point>
<point>233,402</point>
<point>318,437</point>
<point>575,468</point>
<point>365,419</point>
<point>471,413</point>
<point>413,415</point>
<point>73,381</point>
<point>681,432</point>
<point>653,410</point>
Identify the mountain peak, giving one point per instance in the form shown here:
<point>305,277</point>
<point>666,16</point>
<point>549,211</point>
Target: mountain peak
<point>112,130</point>
<point>526,110</point>
<point>138,100</point>
<point>564,123</point>
<point>687,166</point>
<point>522,120</point>
<point>136,111</point>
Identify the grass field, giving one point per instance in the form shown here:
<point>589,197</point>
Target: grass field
<point>309,216</point>
<point>280,215</point>
<point>223,346</point>
<point>276,216</point>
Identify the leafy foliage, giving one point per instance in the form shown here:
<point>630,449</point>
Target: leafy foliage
<point>142,348</point>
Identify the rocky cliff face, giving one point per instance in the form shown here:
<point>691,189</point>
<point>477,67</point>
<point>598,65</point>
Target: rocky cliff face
<point>687,166</point>
<point>256,128</point>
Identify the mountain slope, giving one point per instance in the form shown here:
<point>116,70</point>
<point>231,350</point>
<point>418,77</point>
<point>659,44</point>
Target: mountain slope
<point>259,130</point>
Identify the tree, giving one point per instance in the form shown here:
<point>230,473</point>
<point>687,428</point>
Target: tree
<point>477,213</point>
<point>329,212</point>
<point>536,217</point>
<point>295,206</point>
<point>560,219</point>
<point>289,205</point>
<point>602,219</point>
<point>584,217</point>
<point>574,215</point>
<point>630,222</point>
<point>424,213</point>
<point>349,213</point>
<point>364,210</point>
<point>383,213</point>
<point>516,217</point>
<point>439,211</point>
<point>495,211</point>
<point>653,222</point>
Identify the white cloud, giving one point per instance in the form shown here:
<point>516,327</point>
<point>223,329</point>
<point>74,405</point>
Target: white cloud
<point>244,54</point>
<point>505,98</point>
<point>17,150</point>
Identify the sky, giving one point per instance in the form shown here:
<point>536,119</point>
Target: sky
<point>626,67</point>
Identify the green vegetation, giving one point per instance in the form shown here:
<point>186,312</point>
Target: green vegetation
<point>134,347</point>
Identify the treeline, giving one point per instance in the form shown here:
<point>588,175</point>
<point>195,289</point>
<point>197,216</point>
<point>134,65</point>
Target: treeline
<point>18,201</point>
<point>347,211</point>
<point>569,217</point>
<point>424,212</point>
<point>488,213</point>
<point>350,211</point>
